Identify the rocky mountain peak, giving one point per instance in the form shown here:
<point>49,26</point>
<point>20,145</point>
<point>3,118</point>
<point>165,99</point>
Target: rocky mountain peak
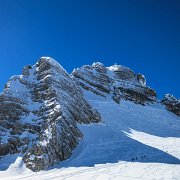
<point>116,80</point>
<point>49,63</point>
<point>39,112</point>
<point>122,72</point>
<point>98,65</point>
<point>40,109</point>
<point>172,104</point>
<point>141,79</point>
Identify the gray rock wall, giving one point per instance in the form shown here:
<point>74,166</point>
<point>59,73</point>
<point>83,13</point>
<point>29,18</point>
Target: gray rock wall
<point>171,103</point>
<point>39,111</point>
<point>117,81</point>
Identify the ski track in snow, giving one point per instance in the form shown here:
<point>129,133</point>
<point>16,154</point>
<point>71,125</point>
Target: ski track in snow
<point>132,142</point>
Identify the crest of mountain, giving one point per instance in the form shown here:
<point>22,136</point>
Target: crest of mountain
<point>40,109</point>
<point>119,81</point>
<point>172,104</point>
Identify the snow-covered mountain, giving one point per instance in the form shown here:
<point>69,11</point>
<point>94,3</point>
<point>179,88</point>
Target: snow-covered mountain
<point>39,114</point>
<point>117,81</point>
<point>102,121</point>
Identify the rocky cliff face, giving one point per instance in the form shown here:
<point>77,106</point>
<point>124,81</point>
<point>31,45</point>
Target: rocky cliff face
<point>118,81</point>
<point>39,111</point>
<point>172,104</point>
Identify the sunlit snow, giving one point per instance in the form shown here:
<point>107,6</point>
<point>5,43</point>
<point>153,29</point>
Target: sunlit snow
<point>132,142</point>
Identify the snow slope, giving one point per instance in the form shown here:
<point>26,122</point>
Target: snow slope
<point>132,142</point>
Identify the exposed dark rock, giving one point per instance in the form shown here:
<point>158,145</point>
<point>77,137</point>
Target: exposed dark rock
<point>141,79</point>
<point>118,81</point>
<point>93,78</point>
<point>42,107</point>
<point>172,104</point>
<point>5,149</point>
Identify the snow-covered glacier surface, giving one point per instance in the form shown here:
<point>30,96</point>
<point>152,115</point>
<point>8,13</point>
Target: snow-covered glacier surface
<point>131,142</point>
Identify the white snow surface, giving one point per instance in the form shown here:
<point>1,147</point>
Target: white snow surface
<point>132,142</point>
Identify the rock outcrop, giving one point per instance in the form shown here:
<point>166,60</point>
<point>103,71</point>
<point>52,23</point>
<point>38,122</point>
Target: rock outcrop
<point>39,111</point>
<point>172,104</point>
<point>116,80</point>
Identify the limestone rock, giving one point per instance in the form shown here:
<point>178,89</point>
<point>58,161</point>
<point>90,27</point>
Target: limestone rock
<point>172,104</point>
<point>39,112</point>
<point>141,79</point>
<point>117,81</point>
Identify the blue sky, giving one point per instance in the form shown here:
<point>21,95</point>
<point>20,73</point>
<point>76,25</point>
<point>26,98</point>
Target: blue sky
<point>141,34</point>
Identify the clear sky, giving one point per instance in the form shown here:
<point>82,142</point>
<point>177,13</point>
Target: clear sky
<point>141,34</point>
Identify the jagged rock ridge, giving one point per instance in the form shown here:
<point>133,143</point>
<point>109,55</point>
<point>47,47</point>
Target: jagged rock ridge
<point>40,109</point>
<point>38,115</point>
<point>119,81</point>
<point>172,104</point>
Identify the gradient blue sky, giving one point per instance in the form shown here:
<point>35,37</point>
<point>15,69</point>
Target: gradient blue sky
<point>141,34</point>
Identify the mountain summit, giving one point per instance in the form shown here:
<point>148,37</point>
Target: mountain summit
<point>40,110</point>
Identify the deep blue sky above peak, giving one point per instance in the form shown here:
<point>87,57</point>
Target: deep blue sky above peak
<point>141,34</point>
